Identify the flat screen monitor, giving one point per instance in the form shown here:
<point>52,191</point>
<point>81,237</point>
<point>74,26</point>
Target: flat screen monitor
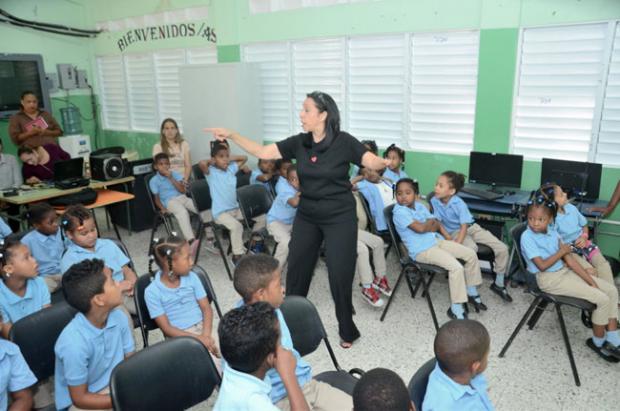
<point>19,73</point>
<point>503,170</point>
<point>577,178</point>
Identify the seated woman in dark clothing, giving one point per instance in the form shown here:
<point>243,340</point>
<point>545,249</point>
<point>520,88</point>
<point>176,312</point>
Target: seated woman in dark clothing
<point>39,162</point>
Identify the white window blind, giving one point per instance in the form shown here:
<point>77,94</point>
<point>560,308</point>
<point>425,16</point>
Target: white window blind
<point>443,84</point>
<point>559,77</point>
<point>204,55</point>
<point>376,94</point>
<point>113,97</point>
<point>141,93</point>
<point>274,73</point>
<point>167,63</point>
<point>608,147</point>
<point>270,6</point>
<point>318,65</point>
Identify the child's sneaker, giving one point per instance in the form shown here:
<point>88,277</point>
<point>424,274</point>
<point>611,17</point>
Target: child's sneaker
<point>381,284</point>
<point>372,297</point>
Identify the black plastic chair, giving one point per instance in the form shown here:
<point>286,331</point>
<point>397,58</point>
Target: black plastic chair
<point>384,234</point>
<point>160,217</point>
<point>307,332</point>
<point>413,271</point>
<point>419,381</point>
<point>254,200</point>
<point>36,335</point>
<point>201,196</point>
<point>197,172</point>
<point>541,300</point>
<point>206,283</point>
<point>168,376</point>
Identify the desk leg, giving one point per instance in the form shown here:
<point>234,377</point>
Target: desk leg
<point>118,235</point>
<point>128,188</point>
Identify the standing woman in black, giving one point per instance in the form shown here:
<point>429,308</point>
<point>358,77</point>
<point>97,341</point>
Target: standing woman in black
<point>326,210</point>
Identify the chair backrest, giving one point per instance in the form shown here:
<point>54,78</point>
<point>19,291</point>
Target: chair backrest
<point>371,219</point>
<point>171,375</point>
<point>197,172</point>
<point>305,325</point>
<point>516,232</point>
<point>206,283</point>
<point>254,200</point>
<point>36,335</point>
<point>418,383</point>
<point>201,195</point>
<point>388,212</point>
<point>429,197</point>
<point>243,178</point>
<point>144,318</point>
<point>147,183</point>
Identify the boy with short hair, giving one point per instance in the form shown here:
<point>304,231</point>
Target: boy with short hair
<point>15,377</point>
<point>94,342</point>
<point>457,383</point>
<point>381,389</point>
<point>249,344</point>
<point>258,278</point>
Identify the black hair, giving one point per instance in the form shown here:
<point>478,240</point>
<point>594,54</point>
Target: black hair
<point>325,102</point>
<point>539,200</point>
<point>399,151</point>
<point>164,249</point>
<point>26,92</point>
<point>248,334</point>
<point>372,145</point>
<point>7,245</point>
<point>74,217</point>
<point>81,282</point>
<point>381,389</point>
<point>280,162</point>
<point>24,149</point>
<point>217,146</point>
<point>456,180</point>
<point>252,273</point>
<point>406,180</point>
<point>460,343</point>
<point>37,212</point>
<point>292,167</point>
<point>160,156</point>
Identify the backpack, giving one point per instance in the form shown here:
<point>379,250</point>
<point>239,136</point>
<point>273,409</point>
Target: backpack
<point>85,197</point>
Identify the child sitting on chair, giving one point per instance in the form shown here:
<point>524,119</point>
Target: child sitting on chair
<point>222,179</point>
<point>258,278</point>
<point>80,228</point>
<point>176,299</point>
<point>282,213</point>
<point>168,190</point>
<point>249,342</point>
<point>15,377</point>
<point>419,231</point>
<point>94,342</point>
<point>572,226</point>
<point>267,175</point>
<point>22,293</point>
<point>378,193</point>
<point>454,216</point>
<point>558,272</point>
<point>396,170</point>
<point>45,243</point>
<point>457,383</point>
<point>282,166</point>
<point>381,389</point>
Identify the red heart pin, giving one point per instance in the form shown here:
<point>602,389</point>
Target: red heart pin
<point>313,159</point>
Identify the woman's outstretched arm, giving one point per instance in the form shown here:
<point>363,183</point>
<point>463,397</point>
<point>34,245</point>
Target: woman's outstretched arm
<point>268,152</point>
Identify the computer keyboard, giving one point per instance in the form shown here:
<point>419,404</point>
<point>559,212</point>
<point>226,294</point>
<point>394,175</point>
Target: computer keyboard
<point>487,195</point>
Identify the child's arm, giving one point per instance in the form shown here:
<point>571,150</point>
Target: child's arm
<point>264,177</point>
<point>6,328</point>
<point>240,160</point>
<point>285,365</point>
<point>21,400</point>
<point>187,163</point>
<point>294,201</point>
<point>81,398</point>
<point>356,179</point>
<point>130,279</point>
<point>582,240</point>
<point>159,204</point>
<point>579,270</point>
<point>431,225</point>
<point>177,184</point>
<point>207,324</point>
<point>444,232</point>
<point>462,233</point>
<point>543,264</point>
<point>204,165</point>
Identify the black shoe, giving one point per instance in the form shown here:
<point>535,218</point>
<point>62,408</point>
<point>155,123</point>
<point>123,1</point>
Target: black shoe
<point>477,305</point>
<point>502,292</point>
<point>453,316</point>
<point>604,352</point>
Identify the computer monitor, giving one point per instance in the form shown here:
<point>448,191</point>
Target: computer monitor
<point>577,178</point>
<point>73,168</point>
<point>502,170</point>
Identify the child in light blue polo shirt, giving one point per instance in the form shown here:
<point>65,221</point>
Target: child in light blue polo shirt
<point>454,216</point>
<point>558,272</point>
<point>572,226</point>
<point>378,193</point>
<point>257,278</point>
<point>282,213</point>
<point>176,299</point>
<point>249,343</point>
<point>282,165</point>
<point>265,175</point>
<point>395,171</point>
<point>15,377</point>
<point>5,230</point>
<point>222,179</point>
<point>45,243</point>
<point>80,228</point>
<point>420,231</point>
<point>462,351</point>
<point>96,340</point>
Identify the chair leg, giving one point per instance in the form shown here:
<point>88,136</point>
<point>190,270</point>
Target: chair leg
<point>540,309</point>
<point>431,277</point>
<point>199,237</point>
<point>569,350</point>
<point>387,250</point>
<point>523,320</point>
<point>218,243</point>
<point>387,306</point>
<point>275,248</point>
<point>415,290</point>
<point>427,295</point>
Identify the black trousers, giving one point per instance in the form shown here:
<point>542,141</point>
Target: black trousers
<point>341,252</point>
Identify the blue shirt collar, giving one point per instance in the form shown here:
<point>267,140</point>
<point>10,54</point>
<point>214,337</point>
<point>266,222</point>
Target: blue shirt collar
<point>476,386</point>
<point>88,329</point>
<point>80,249</point>
<point>13,298</point>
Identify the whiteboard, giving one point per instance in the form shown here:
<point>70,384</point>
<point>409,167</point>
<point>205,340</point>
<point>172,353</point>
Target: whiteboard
<point>220,95</point>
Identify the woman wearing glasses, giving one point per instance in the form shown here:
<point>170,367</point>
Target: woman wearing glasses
<point>327,208</point>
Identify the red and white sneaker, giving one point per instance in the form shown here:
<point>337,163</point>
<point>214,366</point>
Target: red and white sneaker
<point>372,297</point>
<point>381,284</point>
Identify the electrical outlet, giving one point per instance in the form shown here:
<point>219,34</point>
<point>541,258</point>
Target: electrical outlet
<point>82,81</point>
<point>52,82</point>
<point>66,76</point>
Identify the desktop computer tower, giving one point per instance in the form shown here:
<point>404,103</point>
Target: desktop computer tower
<point>140,209</point>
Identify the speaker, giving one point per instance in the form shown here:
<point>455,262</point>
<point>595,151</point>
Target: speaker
<point>140,211</point>
<point>105,167</point>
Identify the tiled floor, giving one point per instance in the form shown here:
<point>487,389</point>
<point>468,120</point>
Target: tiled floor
<point>534,375</point>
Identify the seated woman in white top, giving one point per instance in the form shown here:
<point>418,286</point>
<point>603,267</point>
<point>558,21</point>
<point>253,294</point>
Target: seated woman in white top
<point>172,143</point>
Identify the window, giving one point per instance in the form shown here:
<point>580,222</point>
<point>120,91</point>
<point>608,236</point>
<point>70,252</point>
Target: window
<point>608,144</point>
<point>269,6</point>
<point>138,91</point>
